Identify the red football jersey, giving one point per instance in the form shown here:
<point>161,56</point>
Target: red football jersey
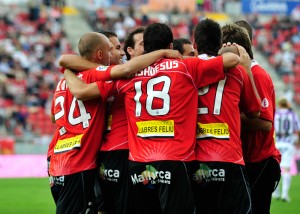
<point>80,124</point>
<point>161,106</point>
<point>220,105</point>
<point>259,145</point>
<point>116,136</point>
<point>53,141</point>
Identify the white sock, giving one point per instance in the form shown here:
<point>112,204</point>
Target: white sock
<point>286,183</point>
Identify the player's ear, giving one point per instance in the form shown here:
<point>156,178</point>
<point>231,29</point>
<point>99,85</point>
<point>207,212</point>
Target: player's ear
<point>130,50</point>
<point>171,46</point>
<point>99,54</point>
<point>195,45</point>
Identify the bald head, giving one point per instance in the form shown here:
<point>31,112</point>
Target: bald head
<point>90,43</point>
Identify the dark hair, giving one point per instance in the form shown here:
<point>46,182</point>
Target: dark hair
<point>129,41</point>
<point>109,34</point>
<point>283,103</point>
<point>157,36</point>
<point>179,42</point>
<point>208,37</point>
<point>247,26</point>
<point>234,33</point>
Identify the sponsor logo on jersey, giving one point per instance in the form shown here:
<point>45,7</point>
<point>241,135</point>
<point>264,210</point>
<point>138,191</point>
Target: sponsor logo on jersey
<point>213,130</point>
<point>155,128</point>
<point>265,103</point>
<point>208,174</point>
<point>68,144</point>
<point>102,68</point>
<point>109,174</point>
<point>151,176</point>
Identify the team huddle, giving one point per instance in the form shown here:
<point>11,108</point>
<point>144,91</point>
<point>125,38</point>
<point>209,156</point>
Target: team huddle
<point>180,127</point>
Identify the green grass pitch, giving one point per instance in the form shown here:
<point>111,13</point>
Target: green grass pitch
<point>26,195</point>
<point>32,195</point>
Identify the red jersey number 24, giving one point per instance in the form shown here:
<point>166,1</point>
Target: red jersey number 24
<point>83,117</point>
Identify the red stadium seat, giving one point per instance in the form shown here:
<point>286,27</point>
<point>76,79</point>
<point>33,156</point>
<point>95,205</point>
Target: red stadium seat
<point>286,79</point>
<point>297,98</point>
<point>296,46</point>
<point>41,123</point>
<point>297,60</point>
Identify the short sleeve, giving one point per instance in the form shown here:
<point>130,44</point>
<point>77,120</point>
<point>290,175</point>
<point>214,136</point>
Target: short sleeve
<point>101,73</point>
<point>106,88</point>
<point>205,72</point>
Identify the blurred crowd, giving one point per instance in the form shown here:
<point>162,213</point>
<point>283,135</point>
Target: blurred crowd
<point>32,39</point>
<point>279,40</point>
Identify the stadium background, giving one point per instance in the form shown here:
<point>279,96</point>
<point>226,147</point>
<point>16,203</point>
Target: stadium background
<point>34,33</point>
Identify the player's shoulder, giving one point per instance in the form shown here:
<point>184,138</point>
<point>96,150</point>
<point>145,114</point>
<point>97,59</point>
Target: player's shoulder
<point>261,75</point>
<point>237,71</point>
<point>257,69</point>
<point>100,68</point>
<point>103,68</point>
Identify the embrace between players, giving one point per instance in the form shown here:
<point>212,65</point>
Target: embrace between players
<point>163,133</point>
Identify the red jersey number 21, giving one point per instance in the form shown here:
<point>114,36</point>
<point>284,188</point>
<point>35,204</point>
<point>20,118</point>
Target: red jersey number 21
<point>218,98</point>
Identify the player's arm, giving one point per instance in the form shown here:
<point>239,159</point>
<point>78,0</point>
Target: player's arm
<point>140,62</point>
<point>120,71</point>
<point>79,89</point>
<point>231,56</point>
<point>52,118</point>
<point>76,62</point>
<point>230,60</point>
<point>257,124</point>
<point>245,61</point>
<point>244,58</point>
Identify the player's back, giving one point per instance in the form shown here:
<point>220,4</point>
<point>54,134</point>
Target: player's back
<point>116,133</point>
<point>161,104</point>
<point>80,125</point>
<point>220,105</point>
<point>257,144</point>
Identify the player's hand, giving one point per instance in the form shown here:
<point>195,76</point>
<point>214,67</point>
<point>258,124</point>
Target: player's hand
<point>229,47</point>
<point>172,54</point>
<point>245,60</point>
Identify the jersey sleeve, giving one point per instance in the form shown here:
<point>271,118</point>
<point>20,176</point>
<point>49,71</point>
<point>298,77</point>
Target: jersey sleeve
<point>249,102</point>
<point>101,73</point>
<point>205,72</point>
<point>106,88</point>
<point>266,92</point>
